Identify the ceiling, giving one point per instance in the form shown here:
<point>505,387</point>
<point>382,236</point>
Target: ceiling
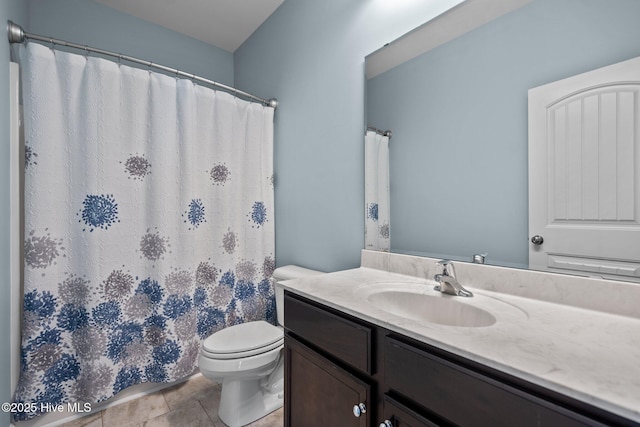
<point>222,23</point>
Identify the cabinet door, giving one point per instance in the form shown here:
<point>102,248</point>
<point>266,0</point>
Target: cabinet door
<point>319,393</point>
<point>398,415</point>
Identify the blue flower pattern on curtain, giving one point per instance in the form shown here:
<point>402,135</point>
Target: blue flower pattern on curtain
<point>149,225</point>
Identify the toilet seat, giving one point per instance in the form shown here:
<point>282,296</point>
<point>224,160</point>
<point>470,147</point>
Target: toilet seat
<point>243,340</point>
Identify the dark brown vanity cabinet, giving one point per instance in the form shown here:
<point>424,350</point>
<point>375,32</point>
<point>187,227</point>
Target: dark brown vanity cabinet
<point>342,371</point>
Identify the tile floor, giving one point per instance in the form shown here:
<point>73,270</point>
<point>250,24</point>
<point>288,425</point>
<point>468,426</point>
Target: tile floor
<point>190,404</point>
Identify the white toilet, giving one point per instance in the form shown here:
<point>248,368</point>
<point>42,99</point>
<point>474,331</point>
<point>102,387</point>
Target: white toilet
<point>248,361</point>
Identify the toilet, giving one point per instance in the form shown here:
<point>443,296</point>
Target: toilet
<point>248,361</point>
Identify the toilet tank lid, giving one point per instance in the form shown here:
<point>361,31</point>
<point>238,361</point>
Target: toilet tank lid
<point>287,272</point>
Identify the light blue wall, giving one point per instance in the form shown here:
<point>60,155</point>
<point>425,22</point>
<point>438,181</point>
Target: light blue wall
<point>310,55</point>
<point>15,10</point>
<point>459,120</point>
<point>91,23</point>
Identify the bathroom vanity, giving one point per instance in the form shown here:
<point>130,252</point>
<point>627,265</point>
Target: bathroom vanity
<point>355,359</point>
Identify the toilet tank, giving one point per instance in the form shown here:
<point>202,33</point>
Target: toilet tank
<point>285,273</point>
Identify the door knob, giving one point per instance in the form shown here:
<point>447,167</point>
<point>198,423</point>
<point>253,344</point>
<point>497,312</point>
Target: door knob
<point>359,409</point>
<point>386,423</point>
<point>537,239</point>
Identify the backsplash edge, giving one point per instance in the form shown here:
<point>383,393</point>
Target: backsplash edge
<point>610,296</point>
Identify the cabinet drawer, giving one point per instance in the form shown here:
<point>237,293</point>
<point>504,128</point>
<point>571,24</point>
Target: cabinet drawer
<point>464,397</point>
<point>342,338</point>
<point>401,416</point>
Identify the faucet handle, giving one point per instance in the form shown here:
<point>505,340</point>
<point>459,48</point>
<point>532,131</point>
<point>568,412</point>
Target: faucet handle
<point>479,258</point>
<point>447,266</point>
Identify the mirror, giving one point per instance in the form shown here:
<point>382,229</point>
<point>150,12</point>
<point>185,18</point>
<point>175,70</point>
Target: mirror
<point>458,114</point>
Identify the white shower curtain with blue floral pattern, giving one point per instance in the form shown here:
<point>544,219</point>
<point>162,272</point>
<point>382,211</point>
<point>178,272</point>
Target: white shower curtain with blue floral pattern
<point>376,192</point>
<point>148,224</point>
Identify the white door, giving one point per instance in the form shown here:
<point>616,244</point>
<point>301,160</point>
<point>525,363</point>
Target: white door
<point>584,173</point>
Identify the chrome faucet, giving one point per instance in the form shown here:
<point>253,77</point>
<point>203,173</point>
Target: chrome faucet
<point>448,284</point>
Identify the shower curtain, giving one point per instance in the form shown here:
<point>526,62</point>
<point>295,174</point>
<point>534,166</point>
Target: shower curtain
<point>376,192</point>
<point>148,221</point>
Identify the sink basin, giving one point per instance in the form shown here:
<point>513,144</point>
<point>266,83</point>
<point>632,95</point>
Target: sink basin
<point>441,309</point>
<point>419,302</point>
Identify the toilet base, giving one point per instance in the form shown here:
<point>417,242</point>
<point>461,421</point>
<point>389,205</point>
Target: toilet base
<point>244,401</point>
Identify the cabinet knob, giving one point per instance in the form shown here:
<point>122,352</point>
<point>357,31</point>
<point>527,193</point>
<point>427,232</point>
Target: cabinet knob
<point>359,409</point>
<point>386,423</point>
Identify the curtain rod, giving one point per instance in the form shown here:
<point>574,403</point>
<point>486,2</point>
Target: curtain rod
<point>18,35</point>
<point>379,131</point>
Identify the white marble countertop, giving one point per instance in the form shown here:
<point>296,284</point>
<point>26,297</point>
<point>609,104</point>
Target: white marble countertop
<point>590,355</point>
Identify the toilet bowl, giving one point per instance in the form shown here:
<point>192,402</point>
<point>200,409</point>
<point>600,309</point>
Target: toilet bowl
<point>248,361</point>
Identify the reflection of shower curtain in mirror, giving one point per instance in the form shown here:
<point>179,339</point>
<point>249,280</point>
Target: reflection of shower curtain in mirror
<point>376,184</point>
<point>148,223</point>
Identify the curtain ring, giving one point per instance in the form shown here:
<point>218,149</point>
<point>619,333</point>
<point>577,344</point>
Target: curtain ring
<point>86,50</point>
<point>149,65</point>
<point>119,59</point>
<point>53,45</point>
